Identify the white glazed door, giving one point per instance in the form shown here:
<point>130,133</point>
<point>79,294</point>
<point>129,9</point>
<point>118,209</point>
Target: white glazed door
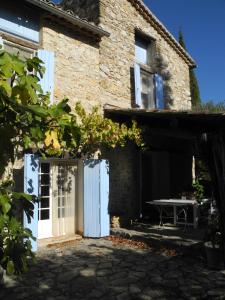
<point>64,195</point>
<point>56,210</point>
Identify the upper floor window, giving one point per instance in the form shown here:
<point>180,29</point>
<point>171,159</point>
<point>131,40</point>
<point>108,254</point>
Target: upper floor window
<point>142,51</point>
<point>148,84</point>
<point>47,57</point>
<point>19,20</point>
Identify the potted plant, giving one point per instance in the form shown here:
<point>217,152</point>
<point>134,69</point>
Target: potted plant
<point>213,244</point>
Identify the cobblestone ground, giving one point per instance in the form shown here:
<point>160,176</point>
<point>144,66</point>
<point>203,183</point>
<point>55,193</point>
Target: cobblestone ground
<point>98,269</point>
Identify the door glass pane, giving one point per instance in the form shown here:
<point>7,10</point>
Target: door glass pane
<point>45,190</point>
<point>61,212</point>
<point>45,168</point>
<point>44,203</point>
<point>44,214</point>
<point>45,179</point>
<point>141,51</point>
<point>147,90</point>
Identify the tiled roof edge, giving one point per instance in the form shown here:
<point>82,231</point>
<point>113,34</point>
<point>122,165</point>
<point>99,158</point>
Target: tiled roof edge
<point>57,11</point>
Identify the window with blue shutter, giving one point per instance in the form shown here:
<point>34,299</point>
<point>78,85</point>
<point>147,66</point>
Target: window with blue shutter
<point>47,82</point>
<point>159,92</point>
<point>143,75</point>
<point>31,186</point>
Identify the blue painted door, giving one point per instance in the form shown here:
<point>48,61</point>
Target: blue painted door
<point>104,198</point>
<point>31,186</point>
<point>159,93</point>
<point>47,82</point>
<point>96,198</point>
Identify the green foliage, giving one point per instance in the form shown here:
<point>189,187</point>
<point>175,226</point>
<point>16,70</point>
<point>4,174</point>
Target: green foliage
<point>194,87</point>
<point>202,171</point>
<point>97,131</point>
<point>28,122</point>
<point>210,107</point>
<point>15,244</point>
<point>181,39</point>
<point>195,92</point>
<point>198,190</point>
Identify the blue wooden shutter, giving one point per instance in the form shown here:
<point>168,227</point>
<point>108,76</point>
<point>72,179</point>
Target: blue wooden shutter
<point>31,186</point>
<point>137,81</point>
<point>47,82</point>
<point>160,102</point>
<point>104,198</point>
<point>96,199</point>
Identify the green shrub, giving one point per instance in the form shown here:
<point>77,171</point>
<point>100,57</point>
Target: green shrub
<point>15,240</point>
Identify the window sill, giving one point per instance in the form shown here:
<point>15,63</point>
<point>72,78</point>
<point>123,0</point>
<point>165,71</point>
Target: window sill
<point>146,68</point>
<point>19,41</point>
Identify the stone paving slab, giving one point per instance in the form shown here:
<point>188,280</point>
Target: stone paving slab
<point>99,269</point>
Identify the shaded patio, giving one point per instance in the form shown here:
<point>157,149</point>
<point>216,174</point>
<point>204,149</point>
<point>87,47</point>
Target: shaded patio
<point>189,241</point>
<point>199,135</point>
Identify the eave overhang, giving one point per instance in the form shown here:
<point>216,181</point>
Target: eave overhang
<point>196,122</point>
<point>68,17</point>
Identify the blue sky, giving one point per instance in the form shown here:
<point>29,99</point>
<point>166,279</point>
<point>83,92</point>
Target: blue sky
<point>203,26</point>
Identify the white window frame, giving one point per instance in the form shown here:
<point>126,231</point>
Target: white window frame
<point>25,49</point>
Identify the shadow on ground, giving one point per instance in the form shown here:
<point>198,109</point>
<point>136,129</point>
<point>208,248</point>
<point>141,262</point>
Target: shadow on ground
<point>98,269</point>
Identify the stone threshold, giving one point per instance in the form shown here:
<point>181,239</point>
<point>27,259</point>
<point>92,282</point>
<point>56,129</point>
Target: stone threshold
<point>60,241</point>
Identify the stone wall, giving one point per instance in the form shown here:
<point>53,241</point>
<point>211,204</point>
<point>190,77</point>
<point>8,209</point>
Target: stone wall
<point>76,64</point>
<point>105,75</point>
<point>84,9</point>
<point>117,54</point>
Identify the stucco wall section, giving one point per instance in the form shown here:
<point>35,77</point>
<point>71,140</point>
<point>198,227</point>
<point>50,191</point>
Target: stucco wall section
<point>117,56</point>
<point>76,65</point>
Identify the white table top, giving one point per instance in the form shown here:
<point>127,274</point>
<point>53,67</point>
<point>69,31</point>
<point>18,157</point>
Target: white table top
<point>173,202</point>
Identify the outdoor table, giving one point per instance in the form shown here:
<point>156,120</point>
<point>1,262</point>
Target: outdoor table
<point>183,204</point>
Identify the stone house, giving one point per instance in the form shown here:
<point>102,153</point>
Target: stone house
<point>115,54</point>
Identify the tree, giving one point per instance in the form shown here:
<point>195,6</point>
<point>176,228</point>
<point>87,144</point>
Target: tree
<point>194,87</point>
<point>29,123</point>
